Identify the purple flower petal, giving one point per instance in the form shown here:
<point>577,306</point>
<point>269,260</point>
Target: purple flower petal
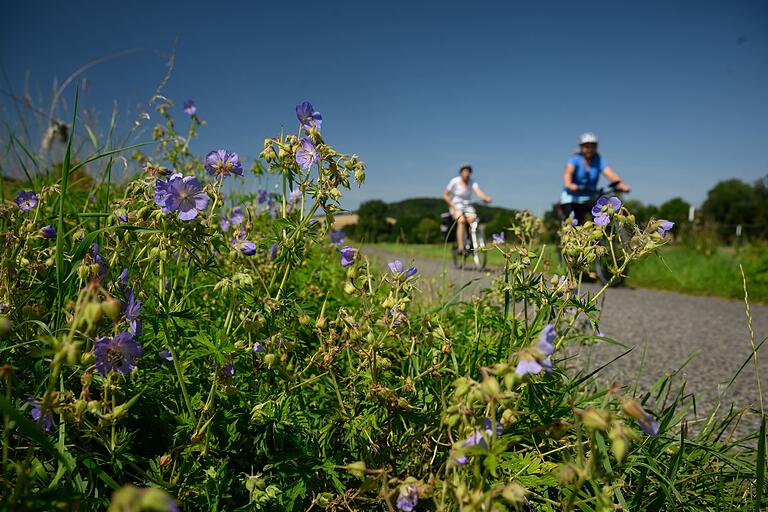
<point>26,200</point>
<point>664,227</point>
<point>116,354</point>
<point>396,267</point>
<point>189,107</point>
<point>527,366</point>
<point>308,116</point>
<point>48,231</point>
<point>222,163</point>
<point>347,255</point>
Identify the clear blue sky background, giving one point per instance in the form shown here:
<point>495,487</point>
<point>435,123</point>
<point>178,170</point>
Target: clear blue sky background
<point>677,91</point>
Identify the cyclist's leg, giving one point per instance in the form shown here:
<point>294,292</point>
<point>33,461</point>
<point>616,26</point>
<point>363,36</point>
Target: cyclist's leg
<point>458,215</point>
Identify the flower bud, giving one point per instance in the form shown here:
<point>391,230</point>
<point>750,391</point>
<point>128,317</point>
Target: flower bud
<point>111,308</point>
<point>491,387</point>
<point>352,271</point>
<point>357,469</point>
<point>335,193</point>
<point>633,409</point>
<point>80,407</point>
<point>320,322</point>
<point>594,420</point>
<point>619,443</point>
<point>87,358</point>
<point>164,460</point>
<point>92,312</point>
<point>269,360</point>
<point>93,407</point>
<point>360,176</point>
<point>514,493</point>
<point>507,417</point>
<point>6,326</point>
<point>349,288</point>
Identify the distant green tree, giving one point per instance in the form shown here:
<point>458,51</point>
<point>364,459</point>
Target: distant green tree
<point>760,204</point>
<point>427,231</point>
<point>642,212</point>
<point>372,223</point>
<point>499,223</point>
<point>676,210</point>
<point>729,203</point>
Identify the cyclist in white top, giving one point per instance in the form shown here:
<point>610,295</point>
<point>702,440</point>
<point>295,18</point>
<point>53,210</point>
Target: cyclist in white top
<point>457,195</point>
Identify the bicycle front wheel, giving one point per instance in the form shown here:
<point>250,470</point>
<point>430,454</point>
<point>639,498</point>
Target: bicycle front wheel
<point>479,255</point>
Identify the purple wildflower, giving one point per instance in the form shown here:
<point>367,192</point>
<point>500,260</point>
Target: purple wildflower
<point>222,162</point>
<point>95,257</point>
<point>48,231</point>
<point>411,272</point>
<point>308,116</point>
<point>273,251</point>
<point>248,248</point>
<point>184,196</point>
<point>26,199</point>
<point>490,430</point>
<point>161,191</point>
<point>258,347</point>
<point>190,108</point>
<point>295,196</point>
<point>498,238</point>
<point>534,361</point>
<point>604,207</point>
<point>574,220</point>
<point>228,370</point>
<point>167,355</point>
<point>235,218</point>
<point>408,498</point>
<point>396,267</point>
<point>307,155</point>
<point>337,237</point>
<point>122,279</point>
<point>649,425</point>
<point>116,353</point>
<point>132,313</point>
<point>262,196</point>
<point>347,255</point>
<point>398,317</point>
<point>664,227</point>
<point>44,420</point>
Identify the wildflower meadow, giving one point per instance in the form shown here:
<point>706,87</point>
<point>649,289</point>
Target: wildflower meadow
<point>175,337</point>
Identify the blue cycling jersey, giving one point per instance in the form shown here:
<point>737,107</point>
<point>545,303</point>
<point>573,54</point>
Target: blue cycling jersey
<point>585,175</point>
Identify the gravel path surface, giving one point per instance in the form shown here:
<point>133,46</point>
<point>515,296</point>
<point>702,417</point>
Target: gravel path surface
<point>665,329</point>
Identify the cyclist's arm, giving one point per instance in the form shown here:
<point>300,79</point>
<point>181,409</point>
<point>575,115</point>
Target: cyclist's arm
<point>447,198</point>
<point>568,177</point>
<point>615,178</point>
<point>482,195</point>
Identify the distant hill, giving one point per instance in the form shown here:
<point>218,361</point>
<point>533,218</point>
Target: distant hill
<point>420,207</point>
<point>417,220</point>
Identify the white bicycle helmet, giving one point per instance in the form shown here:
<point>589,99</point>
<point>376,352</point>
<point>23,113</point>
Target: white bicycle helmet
<point>587,138</point>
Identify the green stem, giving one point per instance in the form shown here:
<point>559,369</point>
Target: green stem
<point>178,368</point>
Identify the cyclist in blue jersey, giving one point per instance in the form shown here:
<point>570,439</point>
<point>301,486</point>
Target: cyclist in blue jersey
<point>581,175</point>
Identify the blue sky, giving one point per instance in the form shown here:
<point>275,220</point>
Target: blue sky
<point>675,90</point>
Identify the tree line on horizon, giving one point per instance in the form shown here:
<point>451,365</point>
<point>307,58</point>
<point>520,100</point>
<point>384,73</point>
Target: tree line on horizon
<point>729,204</point>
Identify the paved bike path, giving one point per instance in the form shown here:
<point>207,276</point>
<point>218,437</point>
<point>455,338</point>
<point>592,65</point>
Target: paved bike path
<point>664,329</point>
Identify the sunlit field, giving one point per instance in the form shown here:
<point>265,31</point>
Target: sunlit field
<point>169,347</point>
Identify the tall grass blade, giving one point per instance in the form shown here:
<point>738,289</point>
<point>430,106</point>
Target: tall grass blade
<point>760,476</point>
<point>65,170</point>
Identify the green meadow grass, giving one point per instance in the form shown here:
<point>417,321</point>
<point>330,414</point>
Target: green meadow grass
<point>676,268</point>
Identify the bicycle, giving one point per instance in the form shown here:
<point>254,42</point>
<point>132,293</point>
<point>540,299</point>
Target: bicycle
<point>474,254</point>
<point>605,267</point>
